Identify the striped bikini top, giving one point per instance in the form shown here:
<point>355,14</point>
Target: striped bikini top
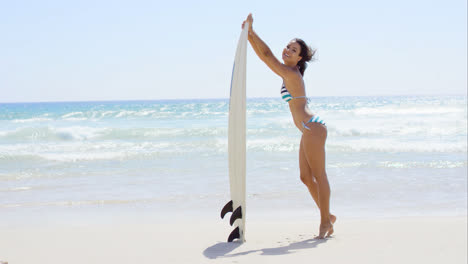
<point>287,96</point>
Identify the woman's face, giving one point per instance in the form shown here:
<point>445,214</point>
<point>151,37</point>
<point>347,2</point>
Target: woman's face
<point>291,53</point>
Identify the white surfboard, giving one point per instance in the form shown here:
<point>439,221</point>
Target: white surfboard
<point>236,142</point>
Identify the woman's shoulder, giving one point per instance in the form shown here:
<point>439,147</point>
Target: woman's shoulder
<point>293,80</point>
<point>292,74</point>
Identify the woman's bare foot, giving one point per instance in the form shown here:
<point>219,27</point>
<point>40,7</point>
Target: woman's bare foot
<point>332,218</point>
<point>326,230</point>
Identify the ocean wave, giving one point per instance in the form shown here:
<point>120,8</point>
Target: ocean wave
<point>259,106</point>
<point>393,146</point>
<point>96,115</point>
<point>445,164</point>
<point>405,110</point>
<point>273,145</point>
<point>32,120</point>
<point>368,145</point>
<point>120,150</point>
<point>86,133</point>
<point>157,111</point>
<point>149,153</point>
<point>49,134</point>
<point>107,150</point>
<point>17,189</point>
<point>396,130</point>
<point>122,114</point>
<point>437,164</point>
<point>73,115</point>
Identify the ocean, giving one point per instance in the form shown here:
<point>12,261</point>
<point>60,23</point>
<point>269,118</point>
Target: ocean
<point>386,156</point>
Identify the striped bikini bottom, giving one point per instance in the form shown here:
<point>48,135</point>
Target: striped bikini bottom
<point>313,119</point>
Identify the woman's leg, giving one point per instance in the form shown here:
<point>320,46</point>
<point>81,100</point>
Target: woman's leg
<point>308,179</point>
<point>313,147</point>
<point>306,175</point>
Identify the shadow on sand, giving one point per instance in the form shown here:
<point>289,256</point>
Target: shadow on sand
<point>223,249</point>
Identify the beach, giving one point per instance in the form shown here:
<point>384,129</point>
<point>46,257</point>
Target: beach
<point>144,182</point>
<point>396,240</point>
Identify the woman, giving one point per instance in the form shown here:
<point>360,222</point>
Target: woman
<point>314,131</point>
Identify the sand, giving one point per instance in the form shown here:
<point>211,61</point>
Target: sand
<point>399,240</point>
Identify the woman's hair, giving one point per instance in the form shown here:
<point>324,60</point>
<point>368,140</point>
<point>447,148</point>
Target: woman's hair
<point>306,53</point>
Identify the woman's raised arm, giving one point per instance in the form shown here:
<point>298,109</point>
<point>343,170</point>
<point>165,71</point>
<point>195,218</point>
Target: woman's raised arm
<point>264,52</point>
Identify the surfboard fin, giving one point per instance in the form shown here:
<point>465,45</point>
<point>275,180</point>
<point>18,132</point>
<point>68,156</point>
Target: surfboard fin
<point>236,215</point>
<point>234,234</point>
<point>227,208</point>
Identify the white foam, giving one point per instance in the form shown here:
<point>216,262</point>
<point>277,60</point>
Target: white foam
<point>419,164</point>
<point>26,188</point>
<point>32,120</point>
<point>406,110</point>
<point>88,156</point>
<point>73,115</point>
<point>392,146</point>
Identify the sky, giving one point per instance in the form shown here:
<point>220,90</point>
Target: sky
<point>55,50</point>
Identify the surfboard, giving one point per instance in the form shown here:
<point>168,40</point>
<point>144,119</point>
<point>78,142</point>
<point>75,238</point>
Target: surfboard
<point>237,142</point>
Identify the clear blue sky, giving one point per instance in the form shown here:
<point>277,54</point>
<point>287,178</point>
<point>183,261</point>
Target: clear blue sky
<point>125,50</point>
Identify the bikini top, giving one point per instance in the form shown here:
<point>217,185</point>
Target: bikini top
<point>287,96</point>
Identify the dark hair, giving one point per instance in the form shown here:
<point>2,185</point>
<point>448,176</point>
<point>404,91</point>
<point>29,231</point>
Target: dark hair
<point>306,53</point>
